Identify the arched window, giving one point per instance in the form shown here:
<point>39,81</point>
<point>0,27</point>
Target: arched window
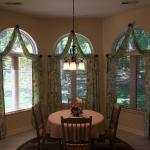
<point>130,67</point>
<point>73,83</point>
<point>17,71</point>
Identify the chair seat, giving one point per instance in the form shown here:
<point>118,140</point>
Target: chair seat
<point>48,138</point>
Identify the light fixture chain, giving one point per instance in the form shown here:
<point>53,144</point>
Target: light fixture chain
<point>73,17</point>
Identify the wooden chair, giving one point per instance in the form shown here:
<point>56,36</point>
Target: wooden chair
<point>43,139</point>
<point>108,139</point>
<point>110,133</point>
<point>76,133</point>
<point>113,124</point>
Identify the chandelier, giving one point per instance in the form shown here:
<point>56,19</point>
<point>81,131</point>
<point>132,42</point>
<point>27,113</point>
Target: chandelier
<point>73,61</point>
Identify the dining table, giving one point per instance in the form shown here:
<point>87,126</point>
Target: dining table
<point>54,122</point>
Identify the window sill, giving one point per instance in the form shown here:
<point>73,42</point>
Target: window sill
<point>17,111</point>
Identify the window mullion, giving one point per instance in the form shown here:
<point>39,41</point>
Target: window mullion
<point>15,82</point>
<point>73,83</point>
<point>133,79</point>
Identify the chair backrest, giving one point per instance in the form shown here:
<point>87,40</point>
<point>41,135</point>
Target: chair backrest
<point>38,120</point>
<point>76,130</point>
<point>113,125</point>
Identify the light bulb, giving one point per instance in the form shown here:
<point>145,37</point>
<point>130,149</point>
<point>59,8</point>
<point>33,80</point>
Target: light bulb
<point>81,66</point>
<point>73,66</point>
<point>66,65</point>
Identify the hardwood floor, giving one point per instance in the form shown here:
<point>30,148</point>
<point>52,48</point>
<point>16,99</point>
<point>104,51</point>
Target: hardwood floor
<point>12,142</point>
<point>137,142</point>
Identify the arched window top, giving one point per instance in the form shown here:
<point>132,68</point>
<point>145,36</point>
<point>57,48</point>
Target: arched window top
<point>133,39</point>
<point>28,40</point>
<point>84,42</point>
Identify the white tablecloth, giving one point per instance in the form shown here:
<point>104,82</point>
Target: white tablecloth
<point>54,122</point>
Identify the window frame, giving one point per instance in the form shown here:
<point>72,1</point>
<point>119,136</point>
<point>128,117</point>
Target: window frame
<point>14,56</point>
<point>133,84</point>
<point>73,73</point>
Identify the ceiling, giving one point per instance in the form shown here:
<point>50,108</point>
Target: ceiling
<point>63,8</point>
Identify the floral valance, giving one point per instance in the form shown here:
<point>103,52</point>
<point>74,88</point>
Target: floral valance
<point>16,33</point>
<point>134,41</point>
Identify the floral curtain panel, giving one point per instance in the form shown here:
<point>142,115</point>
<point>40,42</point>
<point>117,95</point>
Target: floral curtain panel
<point>137,42</point>
<point>147,98</point>
<point>2,105</point>
<point>93,96</point>
<point>36,63</point>
<point>54,83</point>
<point>37,80</point>
<point>111,88</point>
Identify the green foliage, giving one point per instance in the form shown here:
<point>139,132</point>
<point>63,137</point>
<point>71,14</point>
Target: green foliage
<point>124,81</point>
<point>81,40</point>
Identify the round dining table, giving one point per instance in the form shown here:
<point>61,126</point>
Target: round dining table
<point>54,122</point>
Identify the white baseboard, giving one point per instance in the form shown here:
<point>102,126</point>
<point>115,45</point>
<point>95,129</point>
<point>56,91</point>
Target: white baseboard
<point>132,130</point>
<point>18,130</point>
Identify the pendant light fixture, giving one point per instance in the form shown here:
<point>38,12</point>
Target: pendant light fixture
<point>73,61</point>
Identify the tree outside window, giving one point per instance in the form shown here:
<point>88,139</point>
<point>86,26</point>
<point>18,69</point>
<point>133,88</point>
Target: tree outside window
<point>130,81</point>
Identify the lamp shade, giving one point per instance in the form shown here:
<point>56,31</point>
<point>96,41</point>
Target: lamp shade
<point>66,65</point>
<point>73,66</point>
<point>81,66</point>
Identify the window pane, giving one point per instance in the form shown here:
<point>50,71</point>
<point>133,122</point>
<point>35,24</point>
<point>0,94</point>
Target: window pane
<point>7,74</point>
<point>29,42</point>
<point>61,45</point>
<point>123,81</point>
<point>25,82</point>
<point>4,39</point>
<point>84,44</point>
<point>140,82</point>
<point>65,84</point>
<point>81,83</point>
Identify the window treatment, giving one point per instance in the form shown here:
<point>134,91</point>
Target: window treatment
<point>54,84</point>
<point>93,95</point>
<point>54,92</point>
<point>2,105</point>
<point>111,98</point>
<point>36,83</point>
<point>140,42</point>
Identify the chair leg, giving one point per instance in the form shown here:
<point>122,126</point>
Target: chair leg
<point>60,143</point>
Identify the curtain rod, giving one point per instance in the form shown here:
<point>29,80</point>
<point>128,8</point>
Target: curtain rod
<point>96,55</point>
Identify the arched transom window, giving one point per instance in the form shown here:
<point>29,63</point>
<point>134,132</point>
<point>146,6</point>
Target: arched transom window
<point>73,83</point>
<point>17,72</point>
<point>130,69</point>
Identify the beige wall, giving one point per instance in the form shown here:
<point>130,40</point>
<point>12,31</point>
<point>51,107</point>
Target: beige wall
<point>112,27</point>
<point>18,122</point>
<point>45,32</point>
<point>101,33</point>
